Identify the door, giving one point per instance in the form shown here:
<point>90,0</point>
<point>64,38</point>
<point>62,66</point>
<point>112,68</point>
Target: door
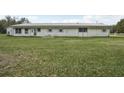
<point>35,32</point>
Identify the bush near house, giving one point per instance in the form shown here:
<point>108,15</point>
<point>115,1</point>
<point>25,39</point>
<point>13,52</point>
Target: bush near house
<point>36,56</point>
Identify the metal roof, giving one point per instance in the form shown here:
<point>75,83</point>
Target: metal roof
<point>61,24</point>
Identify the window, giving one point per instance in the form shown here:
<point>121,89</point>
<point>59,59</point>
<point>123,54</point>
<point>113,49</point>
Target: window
<point>82,29</point>
<point>104,30</point>
<point>38,29</point>
<point>60,30</point>
<point>18,30</point>
<point>26,31</point>
<point>50,30</point>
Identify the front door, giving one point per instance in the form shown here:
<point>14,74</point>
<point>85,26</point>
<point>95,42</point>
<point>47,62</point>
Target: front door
<point>35,32</point>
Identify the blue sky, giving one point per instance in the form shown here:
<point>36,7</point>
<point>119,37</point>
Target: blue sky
<point>106,19</point>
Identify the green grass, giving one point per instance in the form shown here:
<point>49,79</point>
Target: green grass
<point>36,56</point>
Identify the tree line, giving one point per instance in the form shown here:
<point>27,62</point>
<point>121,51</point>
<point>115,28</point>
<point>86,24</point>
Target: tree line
<point>8,20</point>
<point>118,27</point>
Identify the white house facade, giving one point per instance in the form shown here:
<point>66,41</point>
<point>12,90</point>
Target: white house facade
<point>59,29</point>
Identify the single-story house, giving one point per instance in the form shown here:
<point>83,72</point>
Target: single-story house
<point>59,29</point>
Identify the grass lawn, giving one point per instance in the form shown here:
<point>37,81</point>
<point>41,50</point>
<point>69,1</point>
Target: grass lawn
<point>36,56</point>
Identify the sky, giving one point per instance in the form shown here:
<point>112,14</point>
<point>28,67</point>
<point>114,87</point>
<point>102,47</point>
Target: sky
<point>106,19</point>
<point>59,11</point>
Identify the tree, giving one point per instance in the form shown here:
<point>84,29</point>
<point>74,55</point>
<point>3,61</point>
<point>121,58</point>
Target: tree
<point>4,23</point>
<point>3,26</point>
<point>114,29</point>
<point>120,26</point>
<point>10,20</point>
<point>23,20</point>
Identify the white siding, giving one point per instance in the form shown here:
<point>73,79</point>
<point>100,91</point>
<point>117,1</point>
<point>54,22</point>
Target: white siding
<point>97,32</point>
<point>65,32</point>
<point>30,33</point>
<point>56,32</point>
<point>10,31</point>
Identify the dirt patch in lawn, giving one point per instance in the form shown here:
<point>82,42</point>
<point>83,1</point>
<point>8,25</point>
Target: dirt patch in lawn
<point>6,61</point>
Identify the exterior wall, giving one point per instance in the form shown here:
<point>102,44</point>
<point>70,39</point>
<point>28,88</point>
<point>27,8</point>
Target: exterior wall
<point>10,31</point>
<point>56,32</point>
<point>65,32</point>
<point>97,32</point>
<point>30,33</point>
